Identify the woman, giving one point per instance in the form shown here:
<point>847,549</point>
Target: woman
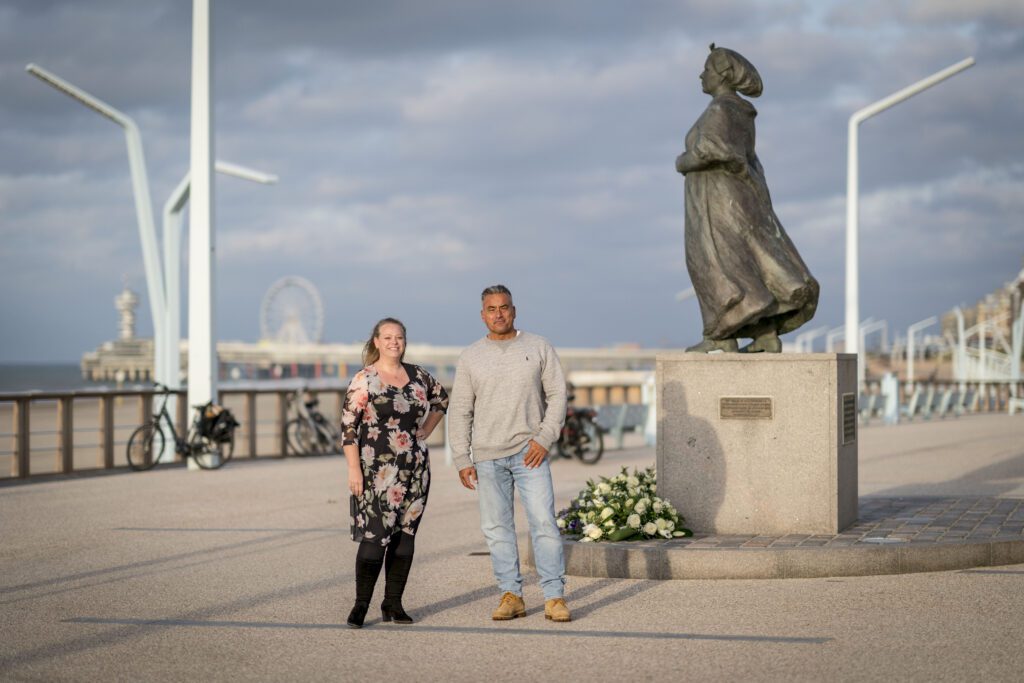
<point>390,410</point>
<point>749,279</point>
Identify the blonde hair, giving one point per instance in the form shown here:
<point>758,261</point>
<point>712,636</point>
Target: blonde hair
<point>370,352</point>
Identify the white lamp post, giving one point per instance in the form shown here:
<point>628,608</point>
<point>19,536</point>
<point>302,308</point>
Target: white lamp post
<point>202,357</point>
<point>911,331</point>
<point>172,259</point>
<point>833,334</point>
<point>869,326</point>
<point>140,190</point>
<point>805,340</point>
<point>170,364</point>
<point>852,284</point>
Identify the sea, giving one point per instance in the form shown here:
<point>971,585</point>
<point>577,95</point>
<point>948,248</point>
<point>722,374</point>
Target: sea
<point>15,377</point>
<point>44,377</point>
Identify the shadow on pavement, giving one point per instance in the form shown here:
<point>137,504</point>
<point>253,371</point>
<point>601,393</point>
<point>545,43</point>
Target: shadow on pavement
<point>995,479</point>
<point>475,630</point>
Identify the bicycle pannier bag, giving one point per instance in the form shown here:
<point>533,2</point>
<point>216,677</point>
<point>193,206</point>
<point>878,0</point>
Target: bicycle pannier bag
<point>218,424</point>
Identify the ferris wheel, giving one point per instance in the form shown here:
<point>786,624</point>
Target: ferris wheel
<point>292,312</point>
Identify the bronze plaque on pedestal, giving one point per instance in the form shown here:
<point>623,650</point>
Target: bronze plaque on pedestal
<point>745,408</point>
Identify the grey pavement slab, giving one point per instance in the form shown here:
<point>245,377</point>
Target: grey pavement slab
<point>246,574</point>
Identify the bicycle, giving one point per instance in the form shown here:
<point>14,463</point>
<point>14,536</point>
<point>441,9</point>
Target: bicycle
<point>581,436</point>
<point>309,432</point>
<point>210,439</point>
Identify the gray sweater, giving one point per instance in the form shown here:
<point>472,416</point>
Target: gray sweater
<point>505,393</point>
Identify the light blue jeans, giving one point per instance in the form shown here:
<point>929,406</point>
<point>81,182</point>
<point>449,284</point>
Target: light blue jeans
<point>496,483</point>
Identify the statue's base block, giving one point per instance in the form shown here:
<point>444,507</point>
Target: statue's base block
<point>760,443</point>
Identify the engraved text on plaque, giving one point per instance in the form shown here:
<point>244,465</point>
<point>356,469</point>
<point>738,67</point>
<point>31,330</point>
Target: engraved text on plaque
<point>745,408</point>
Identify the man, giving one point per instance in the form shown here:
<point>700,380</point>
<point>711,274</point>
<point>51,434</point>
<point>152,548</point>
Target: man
<point>507,408</point>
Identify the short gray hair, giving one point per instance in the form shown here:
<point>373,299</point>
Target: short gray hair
<point>495,289</point>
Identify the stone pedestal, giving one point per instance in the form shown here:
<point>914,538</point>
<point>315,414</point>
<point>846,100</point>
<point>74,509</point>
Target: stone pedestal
<point>761,443</point>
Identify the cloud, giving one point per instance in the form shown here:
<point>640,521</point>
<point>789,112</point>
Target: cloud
<point>428,149</point>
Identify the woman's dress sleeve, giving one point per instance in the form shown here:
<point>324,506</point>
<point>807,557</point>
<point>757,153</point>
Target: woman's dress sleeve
<point>352,412</point>
<point>436,395</point>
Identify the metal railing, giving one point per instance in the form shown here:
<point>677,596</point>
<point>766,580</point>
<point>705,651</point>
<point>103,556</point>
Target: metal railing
<point>902,401</point>
<point>68,419</point>
<point>77,431</point>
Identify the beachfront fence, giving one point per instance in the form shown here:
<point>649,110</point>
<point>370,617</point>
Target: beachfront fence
<point>75,431</point>
<point>79,431</point>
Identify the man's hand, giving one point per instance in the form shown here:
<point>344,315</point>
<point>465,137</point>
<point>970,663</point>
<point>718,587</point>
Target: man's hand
<point>467,475</point>
<point>535,455</point>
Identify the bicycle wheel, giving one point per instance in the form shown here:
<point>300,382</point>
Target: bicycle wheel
<point>301,437</point>
<point>330,438</point>
<point>591,445</point>
<point>212,455</point>
<point>145,446</point>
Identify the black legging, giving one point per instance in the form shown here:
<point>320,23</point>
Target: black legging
<point>396,558</point>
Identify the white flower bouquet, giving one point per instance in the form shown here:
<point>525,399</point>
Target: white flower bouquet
<point>620,508</point>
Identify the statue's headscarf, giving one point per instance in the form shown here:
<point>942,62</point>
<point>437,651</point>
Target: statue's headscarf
<point>738,73</point>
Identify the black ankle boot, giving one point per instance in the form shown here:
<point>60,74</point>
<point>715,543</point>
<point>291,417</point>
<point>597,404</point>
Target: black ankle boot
<point>396,574</point>
<point>358,614</point>
<point>392,611</point>
<point>366,576</point>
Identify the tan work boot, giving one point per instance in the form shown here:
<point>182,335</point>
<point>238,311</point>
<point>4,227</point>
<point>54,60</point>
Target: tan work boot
<point>511,606</point>
<point>556,610</point>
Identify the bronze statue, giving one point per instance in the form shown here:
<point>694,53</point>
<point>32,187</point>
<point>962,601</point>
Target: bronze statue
<point>749,279</point>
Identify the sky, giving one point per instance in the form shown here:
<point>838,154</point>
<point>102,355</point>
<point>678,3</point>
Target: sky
<point>427,150</point>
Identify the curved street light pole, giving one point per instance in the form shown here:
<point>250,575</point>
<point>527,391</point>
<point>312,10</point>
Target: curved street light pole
<point>911,333</point>
<point>168,368</point>
<point>171,364</point>
<point>140,190</point>
<point>852,283</point>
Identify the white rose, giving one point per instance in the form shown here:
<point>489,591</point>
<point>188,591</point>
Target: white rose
<point>650,528</point>
<point>640,508</point>
<point>661,523</point>
<point>654,488</point>
<point>633,521</point>
<point>603,487</point>
<point>610,524</point>
<point>632,492</point>
<point>606,513</point>
<point>593,531</point>
<point>629,502</point>
<point>633,481</point>
<point>670,525</point>
<point>560,522</point>
<point>658,507</point>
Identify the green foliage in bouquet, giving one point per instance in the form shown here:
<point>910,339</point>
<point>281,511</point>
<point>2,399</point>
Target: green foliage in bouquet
<point>620,508</point>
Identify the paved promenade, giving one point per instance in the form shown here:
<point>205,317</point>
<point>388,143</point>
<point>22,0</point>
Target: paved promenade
<point>246,574</point>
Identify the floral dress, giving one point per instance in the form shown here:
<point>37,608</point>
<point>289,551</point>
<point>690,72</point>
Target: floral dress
<point>382,420</point>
